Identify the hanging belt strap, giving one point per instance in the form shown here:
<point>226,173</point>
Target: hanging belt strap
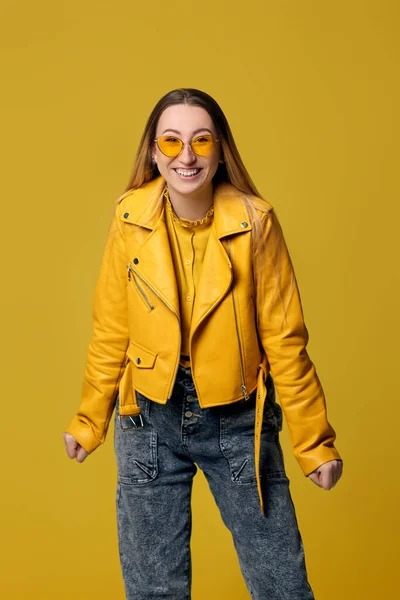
<point>260,402</point>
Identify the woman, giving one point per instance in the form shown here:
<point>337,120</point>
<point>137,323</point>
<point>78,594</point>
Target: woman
<point>197,317</point>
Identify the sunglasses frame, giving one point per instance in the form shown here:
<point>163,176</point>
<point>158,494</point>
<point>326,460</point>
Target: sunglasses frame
<point>215,140</point>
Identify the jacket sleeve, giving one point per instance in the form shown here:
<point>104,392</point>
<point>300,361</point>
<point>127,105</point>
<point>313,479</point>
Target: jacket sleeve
<point>106,356</point>
<point>284,337</point>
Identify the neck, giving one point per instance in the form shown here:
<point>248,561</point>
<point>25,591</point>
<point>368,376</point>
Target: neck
<point>192,206</point>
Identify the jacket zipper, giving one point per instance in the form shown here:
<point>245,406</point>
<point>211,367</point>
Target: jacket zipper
<point>244,389</point>
<point>131,269</point>
<point>139,288</point>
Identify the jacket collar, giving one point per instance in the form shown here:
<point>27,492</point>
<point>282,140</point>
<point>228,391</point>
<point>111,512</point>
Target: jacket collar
<point>230,213</point>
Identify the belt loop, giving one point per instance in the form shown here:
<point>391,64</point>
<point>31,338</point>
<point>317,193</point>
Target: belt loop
<point>128,405</point>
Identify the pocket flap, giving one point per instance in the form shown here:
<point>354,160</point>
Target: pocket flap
<point>140,357</point>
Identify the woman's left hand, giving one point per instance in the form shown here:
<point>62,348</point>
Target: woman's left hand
<point>328,474</point>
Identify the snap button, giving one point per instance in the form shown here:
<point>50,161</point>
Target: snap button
<point>188,298</point>
<point>136,261</point>
<point>244,224</point>
<point>190,398</point>
<point>138,361</point>
<point>126,215</point>
<point>188,413</point>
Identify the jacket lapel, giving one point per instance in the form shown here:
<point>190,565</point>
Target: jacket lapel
<point>215,280</point>
<point>230,218</point>
<point>154,259</point>
<point>156,266</point>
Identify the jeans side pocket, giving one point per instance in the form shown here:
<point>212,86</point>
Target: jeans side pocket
<point>136,449</point>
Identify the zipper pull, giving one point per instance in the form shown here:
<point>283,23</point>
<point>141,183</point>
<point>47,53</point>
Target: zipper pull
<point>128,267</point>
<point>244,390</point>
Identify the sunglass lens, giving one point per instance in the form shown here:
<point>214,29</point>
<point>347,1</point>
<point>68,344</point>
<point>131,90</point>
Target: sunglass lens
<point>203,145</point>
<point>169,145</point>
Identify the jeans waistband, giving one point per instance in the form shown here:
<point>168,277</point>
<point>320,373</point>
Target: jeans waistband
<point>185,381</point>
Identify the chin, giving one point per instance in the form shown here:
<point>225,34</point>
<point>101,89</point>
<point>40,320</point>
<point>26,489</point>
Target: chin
<point>190,189</point>
<point>185,187</point>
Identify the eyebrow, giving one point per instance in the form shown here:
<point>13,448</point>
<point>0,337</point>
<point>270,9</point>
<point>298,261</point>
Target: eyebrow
<point>194,132</point>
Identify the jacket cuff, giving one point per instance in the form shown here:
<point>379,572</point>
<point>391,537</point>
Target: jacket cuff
<point>315,458</point>
<point>84,434</point>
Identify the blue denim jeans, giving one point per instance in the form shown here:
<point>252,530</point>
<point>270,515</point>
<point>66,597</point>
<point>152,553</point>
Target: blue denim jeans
<point>157,460</point>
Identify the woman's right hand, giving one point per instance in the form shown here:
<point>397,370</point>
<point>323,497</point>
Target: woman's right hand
<point>73,448</point>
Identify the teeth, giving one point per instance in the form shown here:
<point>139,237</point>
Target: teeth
<point>187,173</point>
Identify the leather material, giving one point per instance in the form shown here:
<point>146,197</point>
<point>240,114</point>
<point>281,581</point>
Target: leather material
<point>136,328</point>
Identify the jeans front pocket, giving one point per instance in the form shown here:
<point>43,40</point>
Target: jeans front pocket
<point>237,438</point>
<point>136,447</point>
<point>237,422</point>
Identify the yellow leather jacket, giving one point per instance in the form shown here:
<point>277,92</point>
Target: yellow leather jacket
<point>136,326</point>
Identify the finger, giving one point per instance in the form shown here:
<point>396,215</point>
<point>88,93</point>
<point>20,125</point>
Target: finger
<point>81,454</point>
<point>338,472</point>
<point>326,478</point>
<point>334,475</point>
<point>71,445</point>
<point>315,479</point>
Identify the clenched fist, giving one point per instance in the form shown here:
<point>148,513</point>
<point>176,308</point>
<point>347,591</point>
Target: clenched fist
<point>73,448</point>
<point>328,474</point>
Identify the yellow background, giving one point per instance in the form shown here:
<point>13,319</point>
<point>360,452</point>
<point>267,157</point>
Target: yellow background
<point>311,90</point>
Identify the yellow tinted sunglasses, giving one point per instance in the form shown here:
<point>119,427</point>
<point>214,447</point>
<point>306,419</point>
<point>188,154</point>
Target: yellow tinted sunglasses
<point>171,145</point>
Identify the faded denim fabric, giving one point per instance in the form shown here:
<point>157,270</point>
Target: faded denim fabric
<point>156,464</point>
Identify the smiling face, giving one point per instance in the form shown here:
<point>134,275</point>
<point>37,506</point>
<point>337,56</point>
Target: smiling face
<point>187,173</point>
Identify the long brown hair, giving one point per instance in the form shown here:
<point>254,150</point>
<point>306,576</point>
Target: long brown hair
<point>231,170</point>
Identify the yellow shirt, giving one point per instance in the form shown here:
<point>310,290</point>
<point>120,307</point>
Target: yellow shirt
<point>188,240</point>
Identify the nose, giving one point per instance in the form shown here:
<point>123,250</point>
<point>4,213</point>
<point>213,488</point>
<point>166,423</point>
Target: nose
<point>187,156</point>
